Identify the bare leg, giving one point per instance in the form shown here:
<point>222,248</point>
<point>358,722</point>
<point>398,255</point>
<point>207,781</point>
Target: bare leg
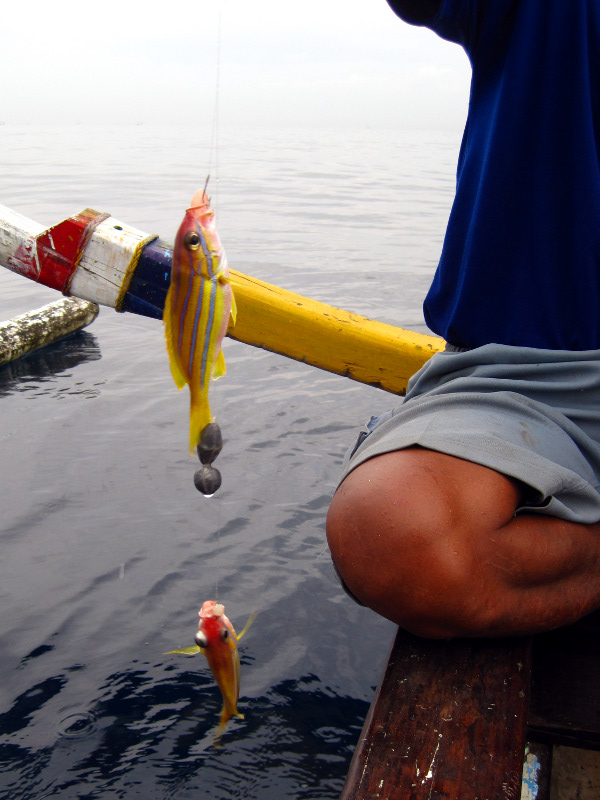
<point>431,542</point>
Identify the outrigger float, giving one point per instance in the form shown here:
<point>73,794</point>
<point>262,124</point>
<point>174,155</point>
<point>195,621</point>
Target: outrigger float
<point>458,720</point>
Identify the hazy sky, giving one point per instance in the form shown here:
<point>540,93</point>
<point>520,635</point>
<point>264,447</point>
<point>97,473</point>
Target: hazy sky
<point>325,62</point>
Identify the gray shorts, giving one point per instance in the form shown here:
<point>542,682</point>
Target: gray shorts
<point>531,414</point>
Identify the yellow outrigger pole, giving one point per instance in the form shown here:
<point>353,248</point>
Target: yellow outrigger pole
<point>327,337</point>
<point>97,258</point>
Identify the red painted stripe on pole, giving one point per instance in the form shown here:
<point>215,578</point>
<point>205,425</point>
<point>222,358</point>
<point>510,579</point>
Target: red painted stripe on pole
<point>52,257</point>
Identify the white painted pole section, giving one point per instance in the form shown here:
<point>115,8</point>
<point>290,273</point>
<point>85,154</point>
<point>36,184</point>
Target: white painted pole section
<point>43,326</point>
<point>107,255</point>
<point>103,265</point>
<point>14,230</point>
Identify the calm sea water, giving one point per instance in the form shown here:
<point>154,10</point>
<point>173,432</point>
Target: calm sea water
<point>107,548</point>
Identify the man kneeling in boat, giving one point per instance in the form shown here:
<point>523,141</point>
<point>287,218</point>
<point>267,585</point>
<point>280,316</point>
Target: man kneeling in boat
<point>473,508</point>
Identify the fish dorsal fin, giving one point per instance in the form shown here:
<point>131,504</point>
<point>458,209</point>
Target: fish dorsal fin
<point>251,619</point>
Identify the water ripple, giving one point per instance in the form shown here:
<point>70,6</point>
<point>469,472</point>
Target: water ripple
<point>77,725</point>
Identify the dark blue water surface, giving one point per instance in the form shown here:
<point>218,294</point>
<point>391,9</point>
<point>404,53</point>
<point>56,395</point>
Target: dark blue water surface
<point>107,549</point>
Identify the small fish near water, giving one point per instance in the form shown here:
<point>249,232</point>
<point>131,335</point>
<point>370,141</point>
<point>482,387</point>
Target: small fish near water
<point>197,309</point>
<point>217,640</point>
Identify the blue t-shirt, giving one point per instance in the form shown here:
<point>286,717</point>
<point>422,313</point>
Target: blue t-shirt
<point>521,258</point>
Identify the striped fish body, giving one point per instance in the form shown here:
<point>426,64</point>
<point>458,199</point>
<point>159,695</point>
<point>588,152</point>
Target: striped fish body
<point>197,309</point>
<point>219,643</point>
<point>217,640</point>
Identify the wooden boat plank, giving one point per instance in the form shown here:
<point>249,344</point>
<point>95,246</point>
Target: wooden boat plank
<point>565,693</point>
<point>448,720</point>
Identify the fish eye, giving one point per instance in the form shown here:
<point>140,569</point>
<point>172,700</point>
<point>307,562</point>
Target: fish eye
<point>224,634</point>
<point>191,240</point>
<point>200,639</point>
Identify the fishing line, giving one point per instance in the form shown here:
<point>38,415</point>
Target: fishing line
<point>218,556</point>
<point>215,143</point>
<point>215,133</point>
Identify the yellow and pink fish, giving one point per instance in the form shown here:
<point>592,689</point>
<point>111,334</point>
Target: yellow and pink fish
<point>217,640</point>
<point>197,309</point>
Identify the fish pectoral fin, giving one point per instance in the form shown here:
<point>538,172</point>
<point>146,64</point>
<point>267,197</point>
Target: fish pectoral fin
<point>251,619</point>
<point>186,651</point>
<point>219,368</point>
<point>233,312</point>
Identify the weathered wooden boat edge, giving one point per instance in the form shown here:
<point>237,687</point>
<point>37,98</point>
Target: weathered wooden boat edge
<point>472,719</point>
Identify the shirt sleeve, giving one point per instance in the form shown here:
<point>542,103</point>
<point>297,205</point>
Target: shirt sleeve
<point>464,22</point>
<point>415,12</point>
<point>456,21</point>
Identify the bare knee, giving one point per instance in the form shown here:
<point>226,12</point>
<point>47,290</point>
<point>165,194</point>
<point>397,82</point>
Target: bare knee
<point>396,560</point>
<point>402,535</point>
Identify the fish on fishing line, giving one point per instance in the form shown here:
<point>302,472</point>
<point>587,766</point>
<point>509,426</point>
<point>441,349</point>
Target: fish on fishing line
<point>217,640</point>
<point>198,307</point>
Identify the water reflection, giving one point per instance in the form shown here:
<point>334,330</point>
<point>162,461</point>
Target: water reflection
<point>107,548</point>
<point>38,372</point>
<point>157,732</point>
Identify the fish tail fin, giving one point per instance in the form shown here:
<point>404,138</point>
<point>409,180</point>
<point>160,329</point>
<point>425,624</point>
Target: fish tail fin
<point>176,371</point>
<point>219,368</point>
<point>217,737</point>
<point>226,715</point>
<point>218,734</point>
<point>200,416</point>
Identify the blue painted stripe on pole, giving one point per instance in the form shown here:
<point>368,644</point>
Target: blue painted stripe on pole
<point>150,282</point>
